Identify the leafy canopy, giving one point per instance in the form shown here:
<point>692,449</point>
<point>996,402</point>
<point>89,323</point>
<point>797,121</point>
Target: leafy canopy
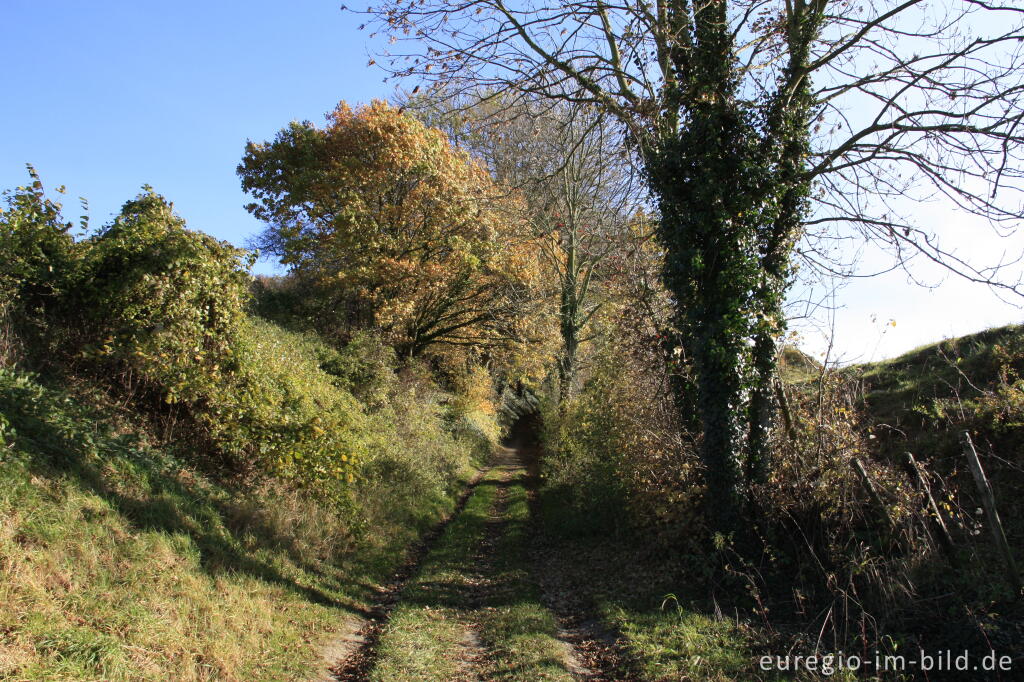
<point>398,230</point>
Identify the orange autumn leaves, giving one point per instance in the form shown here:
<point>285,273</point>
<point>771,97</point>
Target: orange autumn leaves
<point>403,232</point>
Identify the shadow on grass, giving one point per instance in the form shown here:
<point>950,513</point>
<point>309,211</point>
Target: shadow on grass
<point>59,438</point>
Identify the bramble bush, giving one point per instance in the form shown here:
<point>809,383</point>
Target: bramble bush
<point>162,301</point>
<point>282,412</point>
<point>160,314</point>
<point>38,263</point>
<point>166,307</point>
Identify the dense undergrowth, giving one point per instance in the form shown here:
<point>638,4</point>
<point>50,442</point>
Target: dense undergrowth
<point>850,561</point>
<point>191,491</point>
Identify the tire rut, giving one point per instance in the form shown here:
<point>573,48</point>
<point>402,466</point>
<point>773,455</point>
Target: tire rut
<point>594,651</point>
<point>597,650</point>
<point>361,646</point>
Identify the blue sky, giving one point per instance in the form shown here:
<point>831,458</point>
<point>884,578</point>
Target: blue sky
<point>107,96</point>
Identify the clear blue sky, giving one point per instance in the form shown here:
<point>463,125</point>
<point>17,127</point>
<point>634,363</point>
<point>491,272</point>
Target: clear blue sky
<point>107,96</point>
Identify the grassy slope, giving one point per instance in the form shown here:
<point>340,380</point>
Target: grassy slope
<point>906,387</point>
<point>119,562</point>
<point>923,400</point>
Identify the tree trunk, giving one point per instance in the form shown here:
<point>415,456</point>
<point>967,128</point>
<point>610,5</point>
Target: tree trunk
<point>761,409</point>
<point>569,315</point>
<point>710,266</point>
<point>567,366</point>
<point>719,401</point>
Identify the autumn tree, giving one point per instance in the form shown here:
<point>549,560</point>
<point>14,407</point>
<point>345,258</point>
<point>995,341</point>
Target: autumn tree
<point>583,212</point>
<point>395,228</point>
<point>577,183</point>
<point>754,119</point>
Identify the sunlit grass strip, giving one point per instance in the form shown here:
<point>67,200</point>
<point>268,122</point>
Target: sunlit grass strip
<point>425,637</point>
<point>673,643</point>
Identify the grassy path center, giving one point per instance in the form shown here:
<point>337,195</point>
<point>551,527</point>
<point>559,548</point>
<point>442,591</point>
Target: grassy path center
<point>470,610</point>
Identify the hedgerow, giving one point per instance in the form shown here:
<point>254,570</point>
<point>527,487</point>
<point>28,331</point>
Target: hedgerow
<point>38,263</point>
<point>161,315</point>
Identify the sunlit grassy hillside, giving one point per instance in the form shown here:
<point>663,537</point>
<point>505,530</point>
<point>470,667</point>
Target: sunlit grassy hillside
<point>120,559</point>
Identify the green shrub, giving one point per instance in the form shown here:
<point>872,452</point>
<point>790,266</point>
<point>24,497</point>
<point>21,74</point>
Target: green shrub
<point>163,301</point>
<point>282,412</point>
<point>616,453</point>
<point>166,306</point>
<point>364,367</point>
<point>38,259</point>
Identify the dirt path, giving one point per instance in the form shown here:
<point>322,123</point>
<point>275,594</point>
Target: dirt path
<point>476,603</point>
<point>597,649</point>
<point>351,654</point>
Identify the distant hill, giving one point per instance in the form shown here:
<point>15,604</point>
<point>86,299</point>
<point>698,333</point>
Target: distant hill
<point>905,389</point>
<point>922,401</point>
<point>796,365</point>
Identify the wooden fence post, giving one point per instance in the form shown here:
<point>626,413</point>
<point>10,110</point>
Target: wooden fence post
<point>869,485</point>
<point>988,500</point>
<point>931,510</point>
<point>787,417</point>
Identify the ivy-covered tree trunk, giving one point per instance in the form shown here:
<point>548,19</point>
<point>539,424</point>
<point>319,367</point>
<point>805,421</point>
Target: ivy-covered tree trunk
<point>713,325</point>
<point>785,148</point>
<point>718,364</point>
<point>761,409</point>
<point>706,229</point>
<point>705,170</point>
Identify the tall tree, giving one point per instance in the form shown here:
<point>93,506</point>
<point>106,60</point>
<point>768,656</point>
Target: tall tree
<point>400,231</point>
<point>723,100</point>
<point>571,168</point>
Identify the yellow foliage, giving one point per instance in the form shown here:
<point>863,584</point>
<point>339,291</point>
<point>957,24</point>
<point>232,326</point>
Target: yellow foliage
<point>404,232</point>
